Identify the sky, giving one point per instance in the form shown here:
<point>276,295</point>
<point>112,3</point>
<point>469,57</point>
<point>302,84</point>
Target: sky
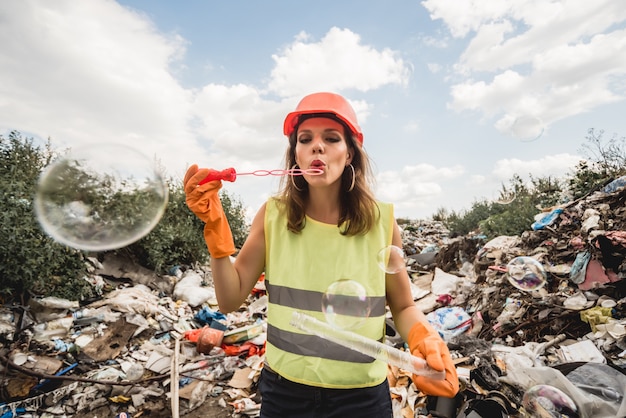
<point>454,97</point>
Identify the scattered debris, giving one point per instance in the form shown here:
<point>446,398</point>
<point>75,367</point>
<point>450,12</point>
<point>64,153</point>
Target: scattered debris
<point>157,345</point>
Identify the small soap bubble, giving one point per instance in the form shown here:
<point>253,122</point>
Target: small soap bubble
<point>345,304</point>
<point>100,197</point>
<point>526,273</point>
<point>527,128</point>
<point>549,401</point>
<point>391,259</point>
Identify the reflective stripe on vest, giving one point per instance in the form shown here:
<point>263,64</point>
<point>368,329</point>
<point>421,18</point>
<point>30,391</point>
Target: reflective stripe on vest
<point>311,301</point>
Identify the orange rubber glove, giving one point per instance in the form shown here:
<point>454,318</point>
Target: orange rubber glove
<point>205,203</point>
<point>426,343</point>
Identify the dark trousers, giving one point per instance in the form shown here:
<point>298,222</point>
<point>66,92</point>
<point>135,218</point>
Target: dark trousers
<point>282,398</point>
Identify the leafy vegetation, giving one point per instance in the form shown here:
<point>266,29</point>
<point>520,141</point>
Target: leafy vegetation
<point>519,202</point>
<point>31,262</point>
<point>606,161</point>
<point>178,238</point>
<point>29,259</point>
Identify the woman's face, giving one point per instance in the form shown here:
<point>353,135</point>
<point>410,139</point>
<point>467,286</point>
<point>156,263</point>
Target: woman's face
<point>321,144</point>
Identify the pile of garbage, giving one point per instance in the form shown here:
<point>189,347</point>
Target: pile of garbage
<point>536,321</point>
<point>536,325</point>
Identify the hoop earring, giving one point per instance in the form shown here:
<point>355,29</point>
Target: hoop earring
<point>293,182</point>
<point>353,178</point>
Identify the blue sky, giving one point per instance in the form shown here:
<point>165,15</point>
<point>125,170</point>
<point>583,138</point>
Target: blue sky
<point>454,97</point>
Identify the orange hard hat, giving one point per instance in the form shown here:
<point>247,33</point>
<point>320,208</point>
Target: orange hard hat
<point>324,103</point>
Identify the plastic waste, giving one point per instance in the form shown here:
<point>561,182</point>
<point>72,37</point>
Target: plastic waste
<point>57,328</point>
<point>511,308</point>
<point>579,267</point>
<point>63,347</point>
<point>191,290</point>
<point>86,317</point>
<point>549,401</point>
<point>547,219</point>
<point>615,185</point>
<point>243,334</point>
<point>450,321</point>
<point>207,316</point>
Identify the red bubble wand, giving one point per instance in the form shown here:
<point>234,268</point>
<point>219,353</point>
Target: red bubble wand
<point>229,174</point>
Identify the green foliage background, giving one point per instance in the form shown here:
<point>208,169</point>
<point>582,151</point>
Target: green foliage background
<point>519,202</point>
<point>33,263</point>
<point>30,261</point>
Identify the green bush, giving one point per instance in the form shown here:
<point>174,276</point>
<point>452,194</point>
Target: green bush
<point>178,239</point>
<point>30,261</point>
<point>511,214</point>
<point>606,161</point>
<point>234,210</point>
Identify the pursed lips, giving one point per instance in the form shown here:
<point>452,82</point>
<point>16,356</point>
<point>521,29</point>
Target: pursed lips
<point>318,164</point>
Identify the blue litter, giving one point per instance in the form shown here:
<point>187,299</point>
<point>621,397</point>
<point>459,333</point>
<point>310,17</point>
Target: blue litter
<point>547,220</point>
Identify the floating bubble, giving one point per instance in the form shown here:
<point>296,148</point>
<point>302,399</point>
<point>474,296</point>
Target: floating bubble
<point>548,401</point>
<point>100,197</point>
<point>526,273</point>
<point>505,198</point>
<point>527,128</point>
<point>391,259</point>
<point>345,304</point>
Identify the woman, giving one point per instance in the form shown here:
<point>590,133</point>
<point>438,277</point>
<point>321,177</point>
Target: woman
<point>322,227</point>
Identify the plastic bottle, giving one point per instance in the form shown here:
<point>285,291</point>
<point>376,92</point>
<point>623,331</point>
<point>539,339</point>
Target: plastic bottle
<point>372,348</point>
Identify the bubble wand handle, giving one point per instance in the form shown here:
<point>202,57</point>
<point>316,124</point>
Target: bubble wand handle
<point>372,348</point>
<point>229,174</point>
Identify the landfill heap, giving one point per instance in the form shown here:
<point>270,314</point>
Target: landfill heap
<point>533,322</point>
<point>546,308</point>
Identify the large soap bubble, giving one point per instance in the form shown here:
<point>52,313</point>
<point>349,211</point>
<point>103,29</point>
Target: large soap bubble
<point>526,273</point>
<point>100,197</point>
<point>345,304</point>
<point>527,128</point>
<point>547,401</point>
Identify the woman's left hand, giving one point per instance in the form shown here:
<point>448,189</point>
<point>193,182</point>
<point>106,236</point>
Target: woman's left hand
<point>426,343</point>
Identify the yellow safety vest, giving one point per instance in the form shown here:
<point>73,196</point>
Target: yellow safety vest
<point>299,268</point>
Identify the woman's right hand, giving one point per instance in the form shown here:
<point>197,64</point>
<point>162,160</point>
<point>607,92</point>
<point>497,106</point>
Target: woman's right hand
<point>203,200</point>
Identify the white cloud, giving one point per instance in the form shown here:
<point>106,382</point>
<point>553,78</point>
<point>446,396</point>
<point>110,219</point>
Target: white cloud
<point>414,183</point>
<point>97,72</point>
<point>547,60</point>
<point>552,165</point>
<point>91,72</point>
<point>87,72</point>
<point>435,42</point>
<point>434,67</point>
<point>239,124</point>
<point>339,61</point>
<point>476,179</point>
<point>465,16</point>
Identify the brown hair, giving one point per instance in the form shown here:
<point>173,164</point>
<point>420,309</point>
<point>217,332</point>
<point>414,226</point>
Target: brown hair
<point>358,208</point>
